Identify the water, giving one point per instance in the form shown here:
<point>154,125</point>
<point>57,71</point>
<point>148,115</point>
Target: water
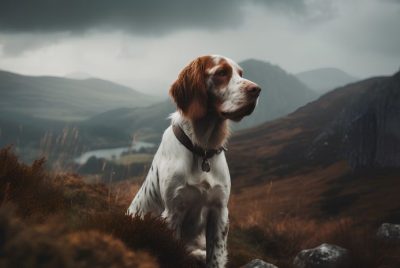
<point>112,153</point>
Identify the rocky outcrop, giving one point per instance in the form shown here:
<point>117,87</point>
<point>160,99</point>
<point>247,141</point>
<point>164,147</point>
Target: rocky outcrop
<point>257,263</point>
<point>323,256</point>
<point>366,130</point>
<point>389,232</point>
<point>373,127</point>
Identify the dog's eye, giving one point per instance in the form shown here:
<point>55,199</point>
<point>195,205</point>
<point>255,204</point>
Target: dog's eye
<point>221,72</point>
<point>240,73</point>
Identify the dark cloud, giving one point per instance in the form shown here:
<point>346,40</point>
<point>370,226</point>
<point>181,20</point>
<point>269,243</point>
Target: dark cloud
<point>143,17</point>
<point>154,16</point>
<point>285,5</point>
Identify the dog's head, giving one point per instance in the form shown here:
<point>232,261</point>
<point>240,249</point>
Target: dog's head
<point>214,84</point>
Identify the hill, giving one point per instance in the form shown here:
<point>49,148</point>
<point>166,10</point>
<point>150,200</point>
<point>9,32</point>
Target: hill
<point>282,93</point>
<point>308,156</point>
<point>325,79</point>
<point>329,172</point>
<point>294,187</point>
<point>117,127</point>
<point>64,99</point>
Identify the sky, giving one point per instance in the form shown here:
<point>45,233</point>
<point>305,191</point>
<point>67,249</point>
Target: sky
<point>144,44</point>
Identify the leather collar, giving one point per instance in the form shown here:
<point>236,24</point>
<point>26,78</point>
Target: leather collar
<point>203,153</point>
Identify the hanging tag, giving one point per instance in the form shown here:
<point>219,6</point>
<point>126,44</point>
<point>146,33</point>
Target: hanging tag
<point>205,166</point>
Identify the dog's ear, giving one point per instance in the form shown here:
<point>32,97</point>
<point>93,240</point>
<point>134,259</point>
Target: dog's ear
<point>189,91</point>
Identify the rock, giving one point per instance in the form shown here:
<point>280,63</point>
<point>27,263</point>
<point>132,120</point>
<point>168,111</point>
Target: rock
<point>257,263</point>
<point>366,129</point>
<point>373,127</point>
<point>389,232</point>
<point>323,256</point>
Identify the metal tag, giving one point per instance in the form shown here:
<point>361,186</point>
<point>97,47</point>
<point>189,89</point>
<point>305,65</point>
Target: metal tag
<point>205,166</point>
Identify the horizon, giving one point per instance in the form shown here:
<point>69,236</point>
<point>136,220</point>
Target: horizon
<point>87,76</point>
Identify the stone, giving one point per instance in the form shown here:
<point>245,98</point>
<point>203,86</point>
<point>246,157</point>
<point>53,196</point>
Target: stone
<point>323,256</point>
<point>257,263</point>
<point>389,232</point>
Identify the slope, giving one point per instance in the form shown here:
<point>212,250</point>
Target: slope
<point>64,99</point>
<point>324,79</point>
<point>299,165</point>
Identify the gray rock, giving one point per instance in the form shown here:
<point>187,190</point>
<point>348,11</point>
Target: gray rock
<point>257,263</point>
<point>389,232</point>
<point>323,256</point>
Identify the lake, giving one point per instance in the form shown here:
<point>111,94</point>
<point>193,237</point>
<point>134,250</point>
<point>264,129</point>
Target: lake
<point>113,153</point>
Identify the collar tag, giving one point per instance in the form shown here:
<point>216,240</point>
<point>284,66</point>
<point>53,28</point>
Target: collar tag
<point>205,165</point>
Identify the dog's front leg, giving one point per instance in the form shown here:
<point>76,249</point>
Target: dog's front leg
<point>174,220</point>
<point>216,236</point>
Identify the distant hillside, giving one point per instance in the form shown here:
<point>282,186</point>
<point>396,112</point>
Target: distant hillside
<point>281,93</point>
<point>78,75</point>
<point>325,79</point>
<point>369,128</point>
<point>119,125</point>
<point>64,99</point>
<point>329,158</point>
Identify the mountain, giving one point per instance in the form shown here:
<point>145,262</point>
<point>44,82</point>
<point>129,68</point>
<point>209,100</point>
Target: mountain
<point>336,157</point>
<point>324,79</point>
<point>78,75</point>
<point>64,99</point>
<point>370,127</point>
<point>281,92</point>
<point>116,127</point>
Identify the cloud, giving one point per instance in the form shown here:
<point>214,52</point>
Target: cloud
<point>145,17</point>
<point>151,17</point>
<point>28,25</point>
<point>360,37</point>
<point>16,44</point>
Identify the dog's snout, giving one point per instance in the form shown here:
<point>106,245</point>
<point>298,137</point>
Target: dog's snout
<point>253,90</point>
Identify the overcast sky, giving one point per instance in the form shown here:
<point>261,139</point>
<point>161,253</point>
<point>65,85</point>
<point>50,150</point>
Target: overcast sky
<point>144,44</point>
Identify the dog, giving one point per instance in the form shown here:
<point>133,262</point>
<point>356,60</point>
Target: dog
<point>188,183</point>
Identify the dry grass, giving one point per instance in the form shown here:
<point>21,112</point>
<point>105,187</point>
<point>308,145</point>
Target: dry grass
<point>276,220</point>
<point>59,221</point>
<point>29,187</point>
<point>52,245</point>
<point>278,241</point>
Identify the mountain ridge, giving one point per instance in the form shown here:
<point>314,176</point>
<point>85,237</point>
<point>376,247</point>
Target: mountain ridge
<point>307,159</point>
<point>322,80</point>
<point>65,99</point>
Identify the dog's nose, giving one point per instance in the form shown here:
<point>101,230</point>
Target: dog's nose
<point>253,90</point>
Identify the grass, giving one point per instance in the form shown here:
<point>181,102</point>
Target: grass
<point>58,220</point>
<point>278,241</point>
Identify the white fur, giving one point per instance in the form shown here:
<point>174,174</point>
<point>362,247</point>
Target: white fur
<point>176,182</point>
<point>233,95</point>
<point>193,202</point>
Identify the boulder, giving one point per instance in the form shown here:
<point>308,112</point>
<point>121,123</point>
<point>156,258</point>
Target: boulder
<point>389,232</point>
<point>323,256</point>
<point>257,263</point>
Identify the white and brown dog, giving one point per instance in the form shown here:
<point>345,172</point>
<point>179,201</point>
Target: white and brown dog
<point>189,183</point>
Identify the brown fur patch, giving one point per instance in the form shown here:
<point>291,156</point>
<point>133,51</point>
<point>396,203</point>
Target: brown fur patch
<point>189,91</point>
<point>222,75</point>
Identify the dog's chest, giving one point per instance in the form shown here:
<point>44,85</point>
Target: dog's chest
<point>203,189</point>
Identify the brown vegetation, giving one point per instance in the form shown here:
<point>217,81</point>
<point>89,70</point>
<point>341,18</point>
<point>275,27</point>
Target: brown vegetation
<point>49,220</point>
<point>290,192</point>
<point>59,221</point>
